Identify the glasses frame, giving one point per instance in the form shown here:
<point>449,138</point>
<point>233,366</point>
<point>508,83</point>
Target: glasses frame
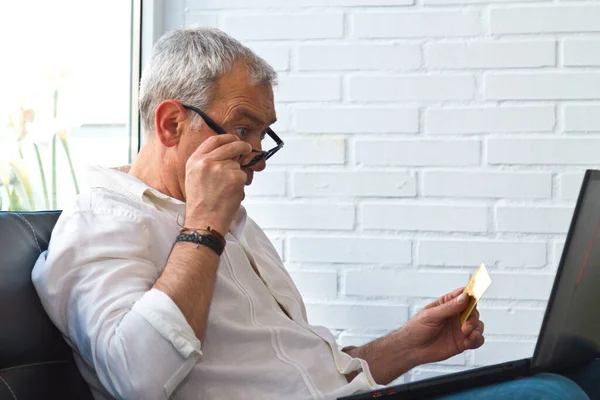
<point>263,155</point>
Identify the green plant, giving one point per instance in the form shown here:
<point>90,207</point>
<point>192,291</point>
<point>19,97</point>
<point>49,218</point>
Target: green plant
<point>14,174</point>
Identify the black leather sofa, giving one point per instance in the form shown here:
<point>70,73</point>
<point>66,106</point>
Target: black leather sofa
<point>35,361</point>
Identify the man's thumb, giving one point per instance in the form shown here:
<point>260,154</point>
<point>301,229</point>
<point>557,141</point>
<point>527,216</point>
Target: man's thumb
<point>451,308</point>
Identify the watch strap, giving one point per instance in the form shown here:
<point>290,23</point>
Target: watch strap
<point>209,240</point>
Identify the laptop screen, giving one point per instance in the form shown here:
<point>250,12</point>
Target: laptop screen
<point>570,333</point>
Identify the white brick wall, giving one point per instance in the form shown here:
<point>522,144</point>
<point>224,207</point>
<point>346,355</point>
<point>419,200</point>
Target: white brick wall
<point>582,118</point>
<point>354,184</point>
<point>469,252</point>
<point>423,137</point>
<point>490,54</point>
<point>515,119</point>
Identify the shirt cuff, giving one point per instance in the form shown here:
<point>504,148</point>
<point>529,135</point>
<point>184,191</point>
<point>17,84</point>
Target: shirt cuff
<point>162,313</point>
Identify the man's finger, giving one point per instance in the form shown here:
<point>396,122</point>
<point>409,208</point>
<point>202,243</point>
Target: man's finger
<point>474,315</point>
<point>216,141</point>
<point>480,327</point>
<point>230,151</point>
<point>471,323</point>
<point>445,298</point>
<point>475,341</point>
<point>468,327</point>
<point>449,309</point>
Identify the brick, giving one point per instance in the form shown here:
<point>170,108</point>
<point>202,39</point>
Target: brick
<point>311,150</point>
<point>581,52</point>
<point>267,183</point>
<point>361,119</point>
<point>283,118</point>
<point>570,185</point>
<point>346,339</point>
<point>470,252</point>
<point>467,2</point>
<point>315,283</point>
<point>349,316</point>
<point>201,19</point>
<point>284,26</point>
<point>508,185</point>
<point>543,151</point>
<point>354,183</point>
<point>308,88</point>
<point>534,219</point>
<point>420,373</point>
<point>351,250</point>
<point>420,152</point>
<point>542,86</point>
<point>491,54</point>
<point>545,19</point>
<point>496,352</point>
<point>402,283</point>
<point>513,321</point>
<point>520,286</point>
<point>459,359</point>
<point>277,56</point>
<point>417,24</point>
<point>582,118</point>
<point>258,4</point>
<point>462,120</point>
<point>359,57</point>
<point>415,88</point>
<point>407,217</point>
<point>286,215</point>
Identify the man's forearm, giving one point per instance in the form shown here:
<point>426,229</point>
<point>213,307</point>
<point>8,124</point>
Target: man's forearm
<point>188,279</point>
<point>388,357</point>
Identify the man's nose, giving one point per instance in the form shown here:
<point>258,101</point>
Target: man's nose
<point>248,158</point>
<point>259,166</point>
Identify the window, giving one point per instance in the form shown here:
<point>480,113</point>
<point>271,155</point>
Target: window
<point>65,98</point>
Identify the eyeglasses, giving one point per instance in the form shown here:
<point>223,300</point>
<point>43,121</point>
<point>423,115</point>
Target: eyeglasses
<point>263,155</point>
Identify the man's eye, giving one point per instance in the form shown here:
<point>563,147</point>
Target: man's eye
<point>241,132</point>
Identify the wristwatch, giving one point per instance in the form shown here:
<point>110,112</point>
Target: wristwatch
<point>206,237</point>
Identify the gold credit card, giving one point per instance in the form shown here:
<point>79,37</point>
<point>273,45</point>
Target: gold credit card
<point>479,283</point>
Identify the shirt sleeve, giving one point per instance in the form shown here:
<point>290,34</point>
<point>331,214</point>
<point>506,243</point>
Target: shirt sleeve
<point>96,284</point>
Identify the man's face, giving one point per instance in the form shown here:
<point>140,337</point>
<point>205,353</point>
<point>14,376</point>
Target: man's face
<point>240,108</point>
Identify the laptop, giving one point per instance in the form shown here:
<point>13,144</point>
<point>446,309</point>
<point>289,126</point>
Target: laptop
<point>570,332</point>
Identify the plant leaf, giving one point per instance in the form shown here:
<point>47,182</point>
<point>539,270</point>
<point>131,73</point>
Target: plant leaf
<point>15,201</point>
<point>20,169</point>
<point>43,176</point>
<point>65,142</point>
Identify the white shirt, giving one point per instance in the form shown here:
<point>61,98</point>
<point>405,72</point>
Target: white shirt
<point>132,342</point>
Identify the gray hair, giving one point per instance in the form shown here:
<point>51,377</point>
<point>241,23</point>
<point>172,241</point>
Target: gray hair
<point>185,64</point>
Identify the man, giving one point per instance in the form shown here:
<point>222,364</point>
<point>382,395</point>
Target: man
<point>166,289</point>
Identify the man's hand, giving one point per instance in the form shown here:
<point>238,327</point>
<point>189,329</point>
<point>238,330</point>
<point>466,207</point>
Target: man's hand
<point>436,334</point>
<point>214,182</point>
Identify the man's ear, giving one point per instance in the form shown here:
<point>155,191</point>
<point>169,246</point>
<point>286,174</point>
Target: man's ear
<point>168,118</point>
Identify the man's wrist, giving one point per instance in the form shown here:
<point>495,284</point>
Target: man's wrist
<point>401,348</point>
<point>207,225</point>
<point>388,357</point>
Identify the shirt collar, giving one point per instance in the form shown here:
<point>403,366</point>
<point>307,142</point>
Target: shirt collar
<point>130,186</point>
<point>239,223</point>
<point>135,189</point>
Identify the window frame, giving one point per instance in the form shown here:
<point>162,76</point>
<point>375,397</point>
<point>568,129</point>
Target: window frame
<point>135,73</point>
